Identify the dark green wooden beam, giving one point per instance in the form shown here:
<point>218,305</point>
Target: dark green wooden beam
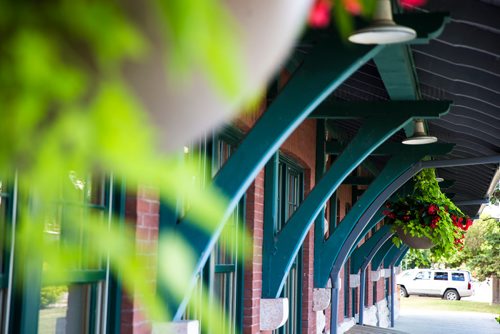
<point>427,25</point>
<point>287,244</point>
<point>401,192</point>
<point>401,256</point>
<point>358,180</point>
<point>395,63</point>
<point>366,251</point>
<point>446,184</point>
<point>332,254</point>
<point>391,256</point>
<point>382,252</point>
<point>388,148</point>
<point>326,67</point>
<point>479,201</point>
<point>352,110</point>
<point>394,255</point>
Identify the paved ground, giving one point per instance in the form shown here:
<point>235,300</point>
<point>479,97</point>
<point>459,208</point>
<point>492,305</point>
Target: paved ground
<point>418,321</point>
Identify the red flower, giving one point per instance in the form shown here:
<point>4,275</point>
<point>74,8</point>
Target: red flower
<point>435,221</point>
<point>406,218</point>
<point>468,224</point>
<point>319,16</point>
<point>412,3</point>
<point>433,208</point>
<point>352,6</point>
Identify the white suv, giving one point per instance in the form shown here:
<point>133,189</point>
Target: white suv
<point>449,284</point>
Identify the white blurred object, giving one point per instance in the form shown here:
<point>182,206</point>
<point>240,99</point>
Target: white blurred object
<point>183,111</point>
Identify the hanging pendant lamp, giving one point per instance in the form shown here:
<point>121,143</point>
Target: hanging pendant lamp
<point>383,30</point>
<point>419,136</point>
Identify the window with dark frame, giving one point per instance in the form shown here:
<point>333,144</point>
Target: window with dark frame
<point>223,273</point>
<point>77,306</point>
<point>290,195</point>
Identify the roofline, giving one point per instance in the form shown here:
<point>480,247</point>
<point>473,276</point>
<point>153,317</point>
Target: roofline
<point>491,188</point>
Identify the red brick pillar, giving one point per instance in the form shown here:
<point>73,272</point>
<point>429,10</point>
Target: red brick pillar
<point>253,266</point>
<point>142,211</point>
<point>308,315</point>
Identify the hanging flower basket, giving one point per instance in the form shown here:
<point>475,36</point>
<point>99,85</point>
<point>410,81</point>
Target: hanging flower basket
<point>414,241</point>
<point>426,218</point>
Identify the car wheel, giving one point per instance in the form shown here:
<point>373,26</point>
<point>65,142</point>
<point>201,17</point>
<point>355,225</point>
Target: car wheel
<point>403,292</point>
<point>451,295</point>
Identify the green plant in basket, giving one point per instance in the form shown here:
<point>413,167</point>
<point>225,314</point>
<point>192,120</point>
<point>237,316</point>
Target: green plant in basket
<point>427,213</point>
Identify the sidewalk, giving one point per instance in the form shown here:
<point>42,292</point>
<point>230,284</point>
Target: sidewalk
<point>419,321</point>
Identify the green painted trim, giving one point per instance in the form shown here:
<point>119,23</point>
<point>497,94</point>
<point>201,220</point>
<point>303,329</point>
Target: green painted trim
<point>224,268</point>
<point>358,180</point>
<point>385,109</point>
<point>389,148</point>
<point>446,184</point>
<point>379,257</point>
<point>334,246</point>
<point>401,257</point>
<point>328,64</point>
<point>373,132</point>
<point>360,254</point>
<point>428,26</point>
<point>391,255</point>
<point>115,289</point>
<point>319,225</point>
<point>230,134</point>
<point>270,201</point>
<point>79,277</point>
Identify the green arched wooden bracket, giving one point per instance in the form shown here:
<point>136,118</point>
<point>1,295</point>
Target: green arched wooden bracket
<point>329,63</point>
<point>382,252</point>
<point>332,253</point>
<point>373,132</point>
<point>365,252</point>
<point>327,66</point>
<point>401,256</point>
<point>402,191</point>
<point>393,255</point>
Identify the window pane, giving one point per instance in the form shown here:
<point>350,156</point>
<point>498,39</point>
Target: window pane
<point>457,277</point>
<point>423,275</point>
<point>440,276</point>
<point>71,309</point>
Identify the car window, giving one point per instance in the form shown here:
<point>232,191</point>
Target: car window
<point>423,275</point>
<point>457,277</point>
<point>440,276</point>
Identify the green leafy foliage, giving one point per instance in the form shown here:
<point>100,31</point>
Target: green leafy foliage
<point>51,294</point>
<point>66,109</point>
<point>417,258</point>
<point>427,212</point>
<point>481,252</point>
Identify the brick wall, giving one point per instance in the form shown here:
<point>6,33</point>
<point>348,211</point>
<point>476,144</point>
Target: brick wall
<point>253,266</point>
<point>142,210</point>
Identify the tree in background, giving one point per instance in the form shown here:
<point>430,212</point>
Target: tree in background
<point>481,252</point>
